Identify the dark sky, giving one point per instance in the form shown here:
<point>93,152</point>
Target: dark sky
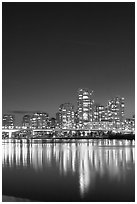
<point>52,49</point>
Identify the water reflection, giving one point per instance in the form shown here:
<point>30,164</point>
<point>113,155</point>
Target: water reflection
<point>89,160</point>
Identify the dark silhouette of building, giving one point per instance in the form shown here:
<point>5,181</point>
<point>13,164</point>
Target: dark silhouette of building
<point>26,122</point>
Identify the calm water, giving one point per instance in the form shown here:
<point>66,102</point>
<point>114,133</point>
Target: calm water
<point>84,170</point>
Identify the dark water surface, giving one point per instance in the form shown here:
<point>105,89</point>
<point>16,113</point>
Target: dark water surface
<point>83,170</point>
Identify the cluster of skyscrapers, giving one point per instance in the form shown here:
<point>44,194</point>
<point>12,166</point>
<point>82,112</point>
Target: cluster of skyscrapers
<point>87,115</point>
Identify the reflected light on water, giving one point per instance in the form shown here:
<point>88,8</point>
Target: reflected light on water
<point>90,160</point>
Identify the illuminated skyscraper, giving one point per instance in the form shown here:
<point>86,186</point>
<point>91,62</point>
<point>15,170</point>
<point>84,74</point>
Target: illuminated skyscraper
<point>58,119</point>
<point>39,120</point>
<point>76,118</point>
<point>85,103</point>
<point>115,108</point>
<point>67,115</point>
<point>8,121</point>
<point>98,113</point>
<point>129,124</point>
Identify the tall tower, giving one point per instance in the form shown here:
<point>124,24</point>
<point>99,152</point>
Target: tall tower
<point>67,115</point>
<point>116,111</point>
<point>84,103</point>
<point>98,113</point>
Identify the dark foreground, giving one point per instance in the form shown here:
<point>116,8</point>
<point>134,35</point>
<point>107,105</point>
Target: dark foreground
<point>76,137</point>
<point>117,137</point>
<point>14,199</point>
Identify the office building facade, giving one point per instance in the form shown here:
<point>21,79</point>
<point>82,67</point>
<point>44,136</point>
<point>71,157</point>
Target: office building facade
<point>66,116</point>
<point>84,110</point>
<point>8,121</point>
<point>115,108</point>
<point>39,120</point>
<point>98,113</point>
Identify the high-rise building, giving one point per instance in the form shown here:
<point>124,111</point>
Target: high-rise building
<point>76,118</point>
<point>39,120</point>
<point>8,121</point>
<point>98,113</point>
<point>84,110</point>
<point>58,119</point>
<point>116,109</point>
<point>67,116</point>
<point>133,123</point>
<point>26,121</point>
<point>129,124</point>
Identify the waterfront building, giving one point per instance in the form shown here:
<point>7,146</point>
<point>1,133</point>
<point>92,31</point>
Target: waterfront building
<point>76,119</point>
<point>116,109</point>
<point>8,121</point>
<point>98,113</point>
<point>115,114</point>
<point>58,119</point>
<point>133,123</point>
<point>100,125</point>
<point>99,117</point>
<point>39,120</point>
<point>129,124</point>
<point>67,116</point>
<point>26,121</point>
<point>84,110</point>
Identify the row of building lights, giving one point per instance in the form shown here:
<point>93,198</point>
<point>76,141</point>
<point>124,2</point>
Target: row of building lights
<point>88,115</point>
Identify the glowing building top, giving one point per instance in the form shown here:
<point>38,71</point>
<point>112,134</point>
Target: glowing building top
<point>84,103</point>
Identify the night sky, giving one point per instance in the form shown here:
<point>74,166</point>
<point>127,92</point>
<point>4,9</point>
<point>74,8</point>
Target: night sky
<point>52,49</point>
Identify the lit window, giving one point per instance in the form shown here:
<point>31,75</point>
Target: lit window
<point>85,97</point>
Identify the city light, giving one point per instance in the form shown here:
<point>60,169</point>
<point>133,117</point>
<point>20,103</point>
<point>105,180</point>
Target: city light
<point>87,116</point>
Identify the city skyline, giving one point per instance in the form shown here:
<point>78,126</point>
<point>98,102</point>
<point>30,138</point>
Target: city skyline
<point>87,115</point>
<point>89,98</point>
<point>68,101</point>
<point>52,49</point>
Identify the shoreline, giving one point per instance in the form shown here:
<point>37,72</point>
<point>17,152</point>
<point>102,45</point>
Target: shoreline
<point>7,198</point>
<point>120,137</point>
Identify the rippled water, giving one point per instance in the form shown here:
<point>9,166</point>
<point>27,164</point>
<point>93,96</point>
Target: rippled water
<point>83,170</point>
